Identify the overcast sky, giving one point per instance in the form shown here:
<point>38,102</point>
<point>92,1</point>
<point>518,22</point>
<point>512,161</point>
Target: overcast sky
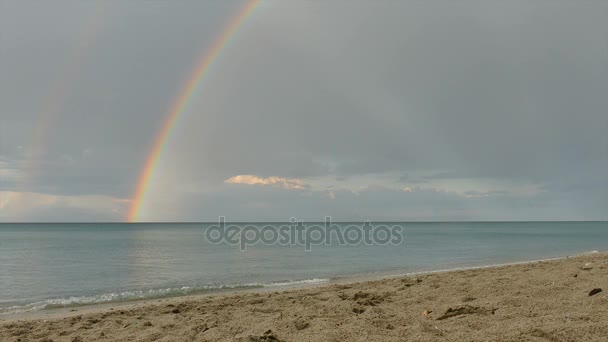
<point>381,110</point>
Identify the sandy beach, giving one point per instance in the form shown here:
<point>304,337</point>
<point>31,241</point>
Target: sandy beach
<point>553,300</point>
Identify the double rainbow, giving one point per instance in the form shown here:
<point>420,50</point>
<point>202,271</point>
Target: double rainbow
<point>179,105</point>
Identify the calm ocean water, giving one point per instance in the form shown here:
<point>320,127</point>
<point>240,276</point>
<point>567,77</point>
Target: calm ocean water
<point>53,265</point>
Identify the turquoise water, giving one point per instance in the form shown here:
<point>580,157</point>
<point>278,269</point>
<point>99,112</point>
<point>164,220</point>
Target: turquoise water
<point>51,265</point>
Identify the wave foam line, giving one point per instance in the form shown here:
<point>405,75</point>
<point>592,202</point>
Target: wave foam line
<point>125,296</point>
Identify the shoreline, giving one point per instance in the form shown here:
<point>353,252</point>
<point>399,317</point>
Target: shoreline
<point>76,309</point>
<point>79,309</point>
<point>557,300</point>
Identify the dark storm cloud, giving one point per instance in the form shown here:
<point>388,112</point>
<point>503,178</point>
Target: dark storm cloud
<point>453,87</point>
<point>436,94</point>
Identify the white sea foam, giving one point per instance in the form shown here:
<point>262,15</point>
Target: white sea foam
<point>297,282</point>
<point>145,294</point>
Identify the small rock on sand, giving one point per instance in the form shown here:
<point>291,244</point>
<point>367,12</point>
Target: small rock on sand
<point>301,324</point>
<point>594,291</point>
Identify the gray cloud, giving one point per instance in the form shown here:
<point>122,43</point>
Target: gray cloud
<point>449,96</point>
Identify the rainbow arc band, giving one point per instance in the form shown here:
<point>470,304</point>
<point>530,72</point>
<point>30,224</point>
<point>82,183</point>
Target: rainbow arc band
<point>180,104</point>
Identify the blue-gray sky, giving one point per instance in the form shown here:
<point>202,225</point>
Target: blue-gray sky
<point>382,110</point>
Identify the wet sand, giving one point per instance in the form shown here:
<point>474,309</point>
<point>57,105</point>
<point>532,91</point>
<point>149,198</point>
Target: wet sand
<point>539,301</point>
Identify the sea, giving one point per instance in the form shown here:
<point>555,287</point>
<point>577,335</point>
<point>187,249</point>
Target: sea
<point>54,265</point>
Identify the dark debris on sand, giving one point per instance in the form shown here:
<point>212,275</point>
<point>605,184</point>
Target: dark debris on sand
<point>268,336</point>
<point>465,310</point>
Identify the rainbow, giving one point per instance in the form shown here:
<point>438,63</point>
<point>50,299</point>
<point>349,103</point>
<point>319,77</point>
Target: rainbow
<point>180,104</point>
<point>60,92</point>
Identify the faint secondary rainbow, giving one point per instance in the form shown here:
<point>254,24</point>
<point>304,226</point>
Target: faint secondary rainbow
<point>59,95</point>
<point>180,103</point>
<point>65,86</point>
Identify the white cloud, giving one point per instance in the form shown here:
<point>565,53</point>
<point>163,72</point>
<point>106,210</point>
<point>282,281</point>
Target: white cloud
<point>282,182</point>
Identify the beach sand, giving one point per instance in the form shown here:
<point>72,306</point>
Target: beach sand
<point>539,301</point>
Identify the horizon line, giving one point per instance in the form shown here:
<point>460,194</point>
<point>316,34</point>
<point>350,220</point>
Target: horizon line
<point>274,222</point>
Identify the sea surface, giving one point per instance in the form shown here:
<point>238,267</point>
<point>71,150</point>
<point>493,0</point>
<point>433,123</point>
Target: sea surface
<point>55,265</point>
